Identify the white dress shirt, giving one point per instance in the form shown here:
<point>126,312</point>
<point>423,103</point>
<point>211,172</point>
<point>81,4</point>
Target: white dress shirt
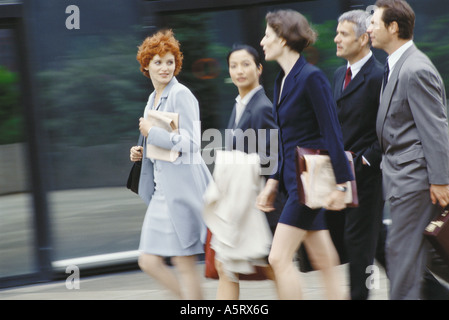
<point>356,67</point>
<point>395,56</point>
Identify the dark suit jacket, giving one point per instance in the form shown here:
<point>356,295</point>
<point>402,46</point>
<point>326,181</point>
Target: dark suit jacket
<point>357,107</point>
<point>257,117</point>
<point>306,116</point>
<point>355,232</point>
<point>258,114</point>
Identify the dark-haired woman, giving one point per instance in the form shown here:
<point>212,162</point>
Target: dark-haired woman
<point>251,116</point>
<point>306,116</point>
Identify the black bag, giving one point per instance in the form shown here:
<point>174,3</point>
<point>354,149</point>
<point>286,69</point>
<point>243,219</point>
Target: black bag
<point>134,175</point>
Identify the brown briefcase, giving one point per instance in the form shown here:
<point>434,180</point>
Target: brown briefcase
<point>301,167</point>
<point>437,232</point>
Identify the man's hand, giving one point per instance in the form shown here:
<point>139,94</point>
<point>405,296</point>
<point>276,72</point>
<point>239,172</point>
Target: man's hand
<point>439,193</point>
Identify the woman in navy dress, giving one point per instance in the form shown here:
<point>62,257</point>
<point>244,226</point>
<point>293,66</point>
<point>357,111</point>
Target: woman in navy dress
<point>305,113</point>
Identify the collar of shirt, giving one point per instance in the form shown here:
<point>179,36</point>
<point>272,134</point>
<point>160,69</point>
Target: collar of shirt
<point>242,102</point>
<point>248,97</point>
<point>356,67</point>
<point>395,56</point>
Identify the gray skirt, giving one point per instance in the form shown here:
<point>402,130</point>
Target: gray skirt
<point>158,235</point>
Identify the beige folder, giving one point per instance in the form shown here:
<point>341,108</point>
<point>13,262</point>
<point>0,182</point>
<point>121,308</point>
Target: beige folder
<point>316,179</point>
<point>168,121</point>
<point>319,181</point>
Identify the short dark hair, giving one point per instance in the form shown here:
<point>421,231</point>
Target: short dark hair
<point>401,12</point>
<point>253,52</point>
<point>293,27</point>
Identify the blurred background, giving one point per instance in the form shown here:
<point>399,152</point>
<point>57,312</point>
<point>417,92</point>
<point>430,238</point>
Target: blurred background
<point>71,94</point>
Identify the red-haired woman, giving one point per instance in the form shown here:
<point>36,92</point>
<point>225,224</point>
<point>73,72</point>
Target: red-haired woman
<point>173,225</point>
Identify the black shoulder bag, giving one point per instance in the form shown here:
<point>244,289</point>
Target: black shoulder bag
<point>134,174</point>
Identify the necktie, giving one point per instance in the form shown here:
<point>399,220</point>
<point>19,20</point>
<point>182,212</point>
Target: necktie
<point>347,77</point>
<point>386,73</point>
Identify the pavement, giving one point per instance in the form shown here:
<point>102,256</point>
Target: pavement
<point>109,220</point>
<point>135,285</point>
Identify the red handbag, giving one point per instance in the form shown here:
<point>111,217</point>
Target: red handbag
<point>262,273</point>
<point>209,259</point>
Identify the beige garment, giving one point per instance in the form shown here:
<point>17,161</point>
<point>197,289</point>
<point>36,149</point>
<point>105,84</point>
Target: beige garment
<point>169,122</point>
<point>241,236</point>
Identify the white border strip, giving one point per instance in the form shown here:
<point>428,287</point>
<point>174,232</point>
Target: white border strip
<point>98,259</point>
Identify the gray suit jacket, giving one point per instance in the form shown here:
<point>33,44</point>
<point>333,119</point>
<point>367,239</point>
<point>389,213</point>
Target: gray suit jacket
<point>185,180</point>
<point>412,127</point>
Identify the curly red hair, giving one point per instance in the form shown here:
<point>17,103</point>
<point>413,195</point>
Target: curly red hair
<point>160,44</point>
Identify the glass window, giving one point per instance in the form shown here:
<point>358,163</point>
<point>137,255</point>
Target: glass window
<point>16,206</point>
<point>90,97</point>
<point>219,30</point>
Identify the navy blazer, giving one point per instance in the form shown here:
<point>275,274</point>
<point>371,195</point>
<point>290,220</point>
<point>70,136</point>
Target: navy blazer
<point>357,108</point>
<point>258,116</point>
<point>306,116</point>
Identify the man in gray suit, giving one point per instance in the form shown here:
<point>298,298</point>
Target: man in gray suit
<point>412,129</point>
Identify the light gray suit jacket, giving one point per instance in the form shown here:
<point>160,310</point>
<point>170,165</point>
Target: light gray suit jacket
<point>412,127</point>
<point>185,180</point>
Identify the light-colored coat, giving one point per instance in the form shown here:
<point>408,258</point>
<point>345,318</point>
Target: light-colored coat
<point>184,180</point>
<point>241,234</point>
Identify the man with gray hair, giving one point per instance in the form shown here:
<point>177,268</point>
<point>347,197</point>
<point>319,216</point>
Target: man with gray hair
<point>356,89</point>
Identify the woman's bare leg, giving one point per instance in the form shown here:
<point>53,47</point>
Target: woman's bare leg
<point>227,289</point>
<point>189,277</point>
<point>155,267</point>
<point>285,244</point>
<point>324,257</point>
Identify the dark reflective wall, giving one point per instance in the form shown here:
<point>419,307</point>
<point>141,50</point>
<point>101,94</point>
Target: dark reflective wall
<point>90,95</point>
<point>16,203</point>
